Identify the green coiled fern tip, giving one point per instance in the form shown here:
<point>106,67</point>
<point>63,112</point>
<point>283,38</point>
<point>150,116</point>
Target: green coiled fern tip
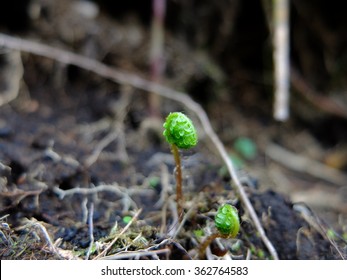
<point>227,220</point>
<point>180,131</point>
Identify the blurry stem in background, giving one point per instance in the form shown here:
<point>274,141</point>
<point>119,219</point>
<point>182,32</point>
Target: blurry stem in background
<point>157,63</point>
<point>281,59</point>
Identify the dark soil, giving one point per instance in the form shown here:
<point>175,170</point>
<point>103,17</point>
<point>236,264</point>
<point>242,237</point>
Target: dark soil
<point>63,115</point>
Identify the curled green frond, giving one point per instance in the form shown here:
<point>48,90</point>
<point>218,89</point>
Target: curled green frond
<point>227,220</point>
<point>179,130</point>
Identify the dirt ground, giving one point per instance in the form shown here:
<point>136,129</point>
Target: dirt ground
<point>85,172</point>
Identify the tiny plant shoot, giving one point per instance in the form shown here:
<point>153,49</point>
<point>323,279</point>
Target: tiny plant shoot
<point>180,133</point>
<point>227,223</point>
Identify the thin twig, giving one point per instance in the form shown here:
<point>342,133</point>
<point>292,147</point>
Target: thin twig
<point>150,251</point>
<point>157,52</point>
<point>315,222</point>
<point>143,84</point>
<point>136,254</point>
<point>108,139</point>
<point>318,99</point>
<point>183,221</point>
<point>115,188</point>
<point>303,164</point>
<point>12,77</point>
<point>281,59</point>
<point>90,229</point>
<point>104,252</point>
<point>162,202</point>
<point>175,223</point>
<point>124,192</point>
<point>33,223</point>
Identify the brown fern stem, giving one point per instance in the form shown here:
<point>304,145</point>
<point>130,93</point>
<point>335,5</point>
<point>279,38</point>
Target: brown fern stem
<point>178,175</point>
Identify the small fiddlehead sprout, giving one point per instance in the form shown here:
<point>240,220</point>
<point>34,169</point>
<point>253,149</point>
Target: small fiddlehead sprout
<point>180,133</point>
<point>227,220</point>
<point>228,224</point>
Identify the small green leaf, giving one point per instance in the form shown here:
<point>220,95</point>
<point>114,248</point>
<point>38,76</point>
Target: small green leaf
<point>127,219</point>
<point>245,147</point>
<point>331,234</point>
<point>260,254</point>
<point>154,182</point>
<point>198,233</point>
